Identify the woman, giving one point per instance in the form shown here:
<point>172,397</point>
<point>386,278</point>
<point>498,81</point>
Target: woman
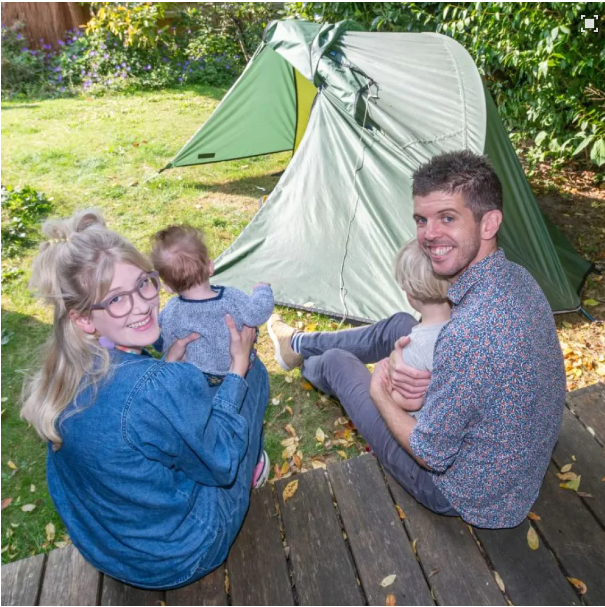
<point>148,466</point>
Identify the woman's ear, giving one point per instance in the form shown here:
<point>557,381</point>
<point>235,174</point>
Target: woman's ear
<point>211,268</point>
<point>82,322</point>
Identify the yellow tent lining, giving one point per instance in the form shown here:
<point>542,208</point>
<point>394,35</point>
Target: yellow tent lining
<point>305,94</point>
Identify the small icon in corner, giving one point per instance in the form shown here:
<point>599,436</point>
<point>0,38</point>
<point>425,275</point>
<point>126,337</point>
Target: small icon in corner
<point>589,23</point>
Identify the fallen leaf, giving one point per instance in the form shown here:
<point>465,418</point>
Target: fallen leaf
<point>309,304</point>
<point>11,465</point>
<point>297,460</point>
<point>6,502</point>
<point>591,302</point>
<point>290,490</point>
<point>320,437</point>
<point>289,410</point>
<point>288,379</point>
<point>343,454</point>
<point>310,328</point>
<point>572,484</point>
<point>318,464</point>
<point>532,538</point>
<point>567,476</point>
<point>28,507</point>
<point>277,470</point>
<point>307,386</point>
<point>434,572</point>
<point>290,430</point>
<point>400,512</point>
<point>414,546</point>
<point>288,452</point>
<point>388,580</point>
<point>566,468</point>
<point>60,544</point>
<point>579,585</point>
<point>391,600</point>
<point>227,584</point>
<point>585,495</point>
<point>289,441</point>
<point>32,488</point>
<point>533,516</point>
<point>50,532</point>
<point>499,581</point>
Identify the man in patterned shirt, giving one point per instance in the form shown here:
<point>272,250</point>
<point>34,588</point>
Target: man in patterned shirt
<point>481,443</point>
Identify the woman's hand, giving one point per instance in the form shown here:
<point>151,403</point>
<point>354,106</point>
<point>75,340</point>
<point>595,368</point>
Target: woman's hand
<point>240,346</point>
<point>409,382</point>
<point>176,353</point>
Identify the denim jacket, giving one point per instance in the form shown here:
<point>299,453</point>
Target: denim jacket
<point>136,480</point>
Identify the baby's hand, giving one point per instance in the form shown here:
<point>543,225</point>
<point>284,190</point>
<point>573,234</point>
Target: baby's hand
<point>261,284</point>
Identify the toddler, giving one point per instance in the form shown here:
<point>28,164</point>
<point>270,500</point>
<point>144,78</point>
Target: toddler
<point>181,259</point>
<point>427,294</point>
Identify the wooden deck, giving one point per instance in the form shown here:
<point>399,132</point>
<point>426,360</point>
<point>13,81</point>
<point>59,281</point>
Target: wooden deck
<point>341,535</point>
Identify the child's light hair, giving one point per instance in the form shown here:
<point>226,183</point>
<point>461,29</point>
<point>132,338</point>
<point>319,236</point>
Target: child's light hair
<point>414,274</point>
<point>73,270</point>
<point>180,256</point>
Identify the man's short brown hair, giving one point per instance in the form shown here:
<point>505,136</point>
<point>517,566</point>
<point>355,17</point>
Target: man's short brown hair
<point>181,257</point>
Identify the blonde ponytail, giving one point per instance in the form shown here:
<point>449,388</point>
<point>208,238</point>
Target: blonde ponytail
<point>72,271</point>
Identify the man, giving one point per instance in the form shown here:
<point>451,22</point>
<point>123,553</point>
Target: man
<point>481,443</point>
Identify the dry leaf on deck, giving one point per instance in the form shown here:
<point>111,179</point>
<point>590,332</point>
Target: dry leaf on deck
<point>566,468</point>
<point>572,484</point>
<point>533,516</point>
<point>414,546</point>
<point>532,539</point>
<point>289,451</point>
<point>400,512</point>
<point>567,476</point>
<point>391,600</point>
<point>28,507</point>
<point>388,580</point>
<point>579,585</point>
<point>290,489</point>
<point>318,464</point>
<point>499,581</point>
<point>343,454</point>
<point>320,437</point>
<point>277,471</point>
<point>297,460</point>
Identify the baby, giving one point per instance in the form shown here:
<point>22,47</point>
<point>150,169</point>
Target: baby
<point>181,259</point>
<point>427,294</point>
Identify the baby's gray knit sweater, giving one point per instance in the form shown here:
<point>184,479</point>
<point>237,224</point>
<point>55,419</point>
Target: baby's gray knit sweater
<point>210,352</point>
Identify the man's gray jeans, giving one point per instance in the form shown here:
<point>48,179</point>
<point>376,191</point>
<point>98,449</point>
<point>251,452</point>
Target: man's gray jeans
<point>335,364</point>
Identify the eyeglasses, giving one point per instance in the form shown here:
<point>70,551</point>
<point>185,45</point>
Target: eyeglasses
<point>121,304</point>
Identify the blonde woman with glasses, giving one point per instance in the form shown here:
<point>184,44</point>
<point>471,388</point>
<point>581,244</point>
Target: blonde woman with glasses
<point>149,467</point>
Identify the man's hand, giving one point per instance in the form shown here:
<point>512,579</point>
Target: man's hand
<point>409,382</point>
<point>176,353</point>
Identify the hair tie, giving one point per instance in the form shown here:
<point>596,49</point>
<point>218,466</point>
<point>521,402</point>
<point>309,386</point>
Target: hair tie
<point>58,240</point>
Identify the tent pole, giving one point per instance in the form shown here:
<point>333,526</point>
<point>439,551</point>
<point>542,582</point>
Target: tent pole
<point>590,318</point>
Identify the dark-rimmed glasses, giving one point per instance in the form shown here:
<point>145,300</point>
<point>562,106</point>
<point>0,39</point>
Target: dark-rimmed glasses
<point>121,304</point>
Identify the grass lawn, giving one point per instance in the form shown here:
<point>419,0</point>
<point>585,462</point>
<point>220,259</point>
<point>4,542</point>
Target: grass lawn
<point>103,153</point>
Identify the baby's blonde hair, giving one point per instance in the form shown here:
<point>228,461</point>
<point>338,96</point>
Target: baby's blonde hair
<point>73,270</point>
<point>415,275</point>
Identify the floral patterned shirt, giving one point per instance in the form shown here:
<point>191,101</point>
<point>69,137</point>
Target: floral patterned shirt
<point>493,410</point>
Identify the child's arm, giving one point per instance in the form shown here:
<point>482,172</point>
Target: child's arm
<point>259,306</point>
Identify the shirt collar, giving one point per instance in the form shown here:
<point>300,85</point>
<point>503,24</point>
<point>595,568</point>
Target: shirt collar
<point>477,272</point>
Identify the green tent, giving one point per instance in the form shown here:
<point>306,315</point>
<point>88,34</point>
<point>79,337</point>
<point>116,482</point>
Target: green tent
<point>361,111</point>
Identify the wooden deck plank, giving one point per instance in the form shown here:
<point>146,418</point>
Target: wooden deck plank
<point>210,590</point>
<point>573,534</point>
<point>378,541</point>
<point>258,570</point>
<point>69,579</point>
<point>322,567</point>
<point>577,447</point>
<point>117,593</point>
<point>21,580</point>
<point>448,554</point>
<point>531,577</point>
<point>589,405</point>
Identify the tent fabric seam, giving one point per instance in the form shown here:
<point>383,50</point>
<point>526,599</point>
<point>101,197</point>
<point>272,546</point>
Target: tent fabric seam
<point>460,93</point>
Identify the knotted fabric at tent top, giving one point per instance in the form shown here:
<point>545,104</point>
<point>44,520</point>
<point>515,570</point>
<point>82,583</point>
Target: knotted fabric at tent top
<point>361,111</point>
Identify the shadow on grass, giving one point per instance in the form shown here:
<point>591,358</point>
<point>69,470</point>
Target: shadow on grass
<point>257,185</point>
<point>6,107</point>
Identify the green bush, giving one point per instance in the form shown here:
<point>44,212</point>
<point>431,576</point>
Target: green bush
<point>546,76</point>
<point>22,210</point>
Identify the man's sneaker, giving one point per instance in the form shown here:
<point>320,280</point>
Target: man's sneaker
<point>281,334</point>
<point>261,471</point>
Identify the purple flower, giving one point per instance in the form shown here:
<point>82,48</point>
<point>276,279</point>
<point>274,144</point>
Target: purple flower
<point>63,89</point>
<point>19,36</point>
<point>93,53</point>
<point>59,78</point>
<point>228,67</point>
<point>147,67</point>
<point>164,59</point>
<point>24,49</point>
<point>106,56</point>
<point>58,68</point>
<point>181,79</point>
<point>60,43</point>
<point>124,64</point>
<point>236,56</point>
